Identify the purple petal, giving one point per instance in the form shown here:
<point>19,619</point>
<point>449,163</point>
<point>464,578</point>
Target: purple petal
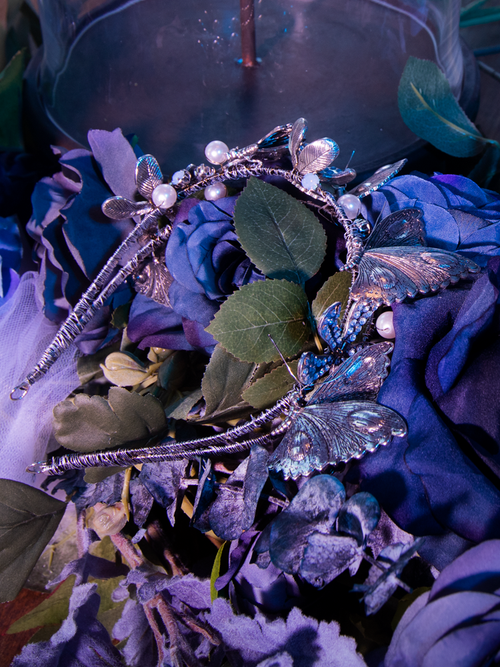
<point>117,160</point>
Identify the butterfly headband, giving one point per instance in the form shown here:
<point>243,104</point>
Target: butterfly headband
<point>388,264</point>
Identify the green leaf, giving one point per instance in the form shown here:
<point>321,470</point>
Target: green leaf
<point>86,423</point>
<point>28,519</point>
<point>109,611</point>
<point>89,366</point>
<point>245,319</point>
<point>279,234</point>
<point>215,574</point>
<point>51,611</point>
<point>335,289</point>
<point>487,167</point>
<point>430,110</point>
<point>181,408</point>
<point>479,16</point>
<point>270,388</point>
<point>224,380</point>
<point>11,86</point>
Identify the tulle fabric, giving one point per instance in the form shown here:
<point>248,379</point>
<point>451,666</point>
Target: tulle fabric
<point>26,425</point>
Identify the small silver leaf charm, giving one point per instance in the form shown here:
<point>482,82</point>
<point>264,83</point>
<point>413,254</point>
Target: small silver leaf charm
<point>317,156</point>
<point>154,281</point>
<point>378,180</point>
<point>297,136</point>
<point>147,175</point>
<point>119,208</point>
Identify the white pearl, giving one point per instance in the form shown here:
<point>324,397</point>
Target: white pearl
<point>215,191</point>
<point>385,325</point>
<point>216,152</point>
<point>180,177</point>
<point>164,196</point>
<point>310,181</point>
<point>351,205</point>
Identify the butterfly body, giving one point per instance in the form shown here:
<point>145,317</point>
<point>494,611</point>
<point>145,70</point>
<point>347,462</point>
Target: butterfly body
<point>340,419</point>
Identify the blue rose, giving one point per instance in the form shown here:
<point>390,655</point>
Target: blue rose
<point>207,264</point>
<point>442,479</point>
<point>74,237</point>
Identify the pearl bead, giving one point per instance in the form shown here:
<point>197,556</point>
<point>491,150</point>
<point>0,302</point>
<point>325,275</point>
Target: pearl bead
<point>385,325</point>
<point>181,177</point>
<point>351,205</point>
<point>215,191</point>
<point>216,152</point>
<point>164,196</point>
<point>310,181</point>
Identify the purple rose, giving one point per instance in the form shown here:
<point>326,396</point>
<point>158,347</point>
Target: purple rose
<point>442,479</point>
<point>458,621</point>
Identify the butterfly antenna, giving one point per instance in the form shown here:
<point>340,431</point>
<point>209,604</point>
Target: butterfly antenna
<point>349,160</point>
<point>284,360</point>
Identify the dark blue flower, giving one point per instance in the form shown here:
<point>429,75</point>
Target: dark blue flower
<point>205,259</point>
<point>442,480</point>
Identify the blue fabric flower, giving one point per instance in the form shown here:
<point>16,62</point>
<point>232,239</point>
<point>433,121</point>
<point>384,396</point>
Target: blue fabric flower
<point>74,237</point>
<point>458,621</point>
<point>207,264</point>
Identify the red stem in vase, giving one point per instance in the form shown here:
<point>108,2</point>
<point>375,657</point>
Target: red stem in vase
<point>247,20</point>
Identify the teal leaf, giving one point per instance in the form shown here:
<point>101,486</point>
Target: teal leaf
<point>28,519</point>
<point>279,234</point>
<point>274,307</point>
<point>11,86</point>
<point>479,16</point>
<point>487,167</point>
<point>270,388</point>
<point>86,423</point>
<point>430,110</point>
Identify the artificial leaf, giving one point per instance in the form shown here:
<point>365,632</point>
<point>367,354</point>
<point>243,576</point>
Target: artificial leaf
<point>181,408</point>
<point>336,288</point>
<point>268,389</point>
<point>216,571</point>
<point>86,423</point>
<point>487,167</point>
<point>223,381</point>
<point>51,611</point>
<point>430,110</point>
<point>274,307</point>
<point>123,369</point>
<point>479,15</point>
<point>89,366</point>
<point>11,82</point>
<point>28,519</point>
<point>313,509</point>
<point>163,480</point>
<point>359,516</point>
<point>327,556</point>
<point>279,234</point>
<point>297,136</point>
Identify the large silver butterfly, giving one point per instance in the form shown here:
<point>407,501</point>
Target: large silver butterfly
<point>340,420</point>
<point>395,264</point>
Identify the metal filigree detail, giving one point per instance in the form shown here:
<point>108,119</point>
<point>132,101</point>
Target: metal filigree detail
<point>154,281</point>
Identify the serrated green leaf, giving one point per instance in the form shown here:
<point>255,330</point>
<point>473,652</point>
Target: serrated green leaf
<point>50,611</point>
<point>215,574</point>
<point>274,307</point>
<point>430,110</point>
<point>11,85</point>
<point>28,519</point>
<point>335,289</point>
<point>224,380</point>
<point>270,388</point>
<point>279,234</point>
<point>86,423</point>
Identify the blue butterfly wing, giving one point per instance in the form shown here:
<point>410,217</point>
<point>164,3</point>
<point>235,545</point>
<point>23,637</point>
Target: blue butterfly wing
<point>388,275</point>
<point>359,376</point>
<point>330,433</point>
<point>401,228</point>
